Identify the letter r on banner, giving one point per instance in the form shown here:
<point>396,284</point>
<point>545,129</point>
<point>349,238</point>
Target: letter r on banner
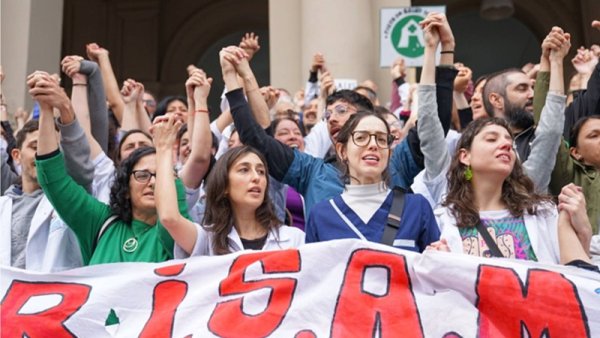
<point>48,322</point>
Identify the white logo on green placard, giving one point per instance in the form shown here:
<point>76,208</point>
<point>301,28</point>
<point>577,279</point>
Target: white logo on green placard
<point>407,37</point>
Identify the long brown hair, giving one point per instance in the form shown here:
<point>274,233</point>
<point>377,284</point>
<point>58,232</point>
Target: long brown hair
<point>517,189</point>
<point>219,215</point>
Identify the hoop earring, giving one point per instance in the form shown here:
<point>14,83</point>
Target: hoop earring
<point>468,173</point>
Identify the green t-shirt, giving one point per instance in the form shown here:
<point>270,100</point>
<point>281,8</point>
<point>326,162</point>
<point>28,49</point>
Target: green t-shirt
<point>121,242</point>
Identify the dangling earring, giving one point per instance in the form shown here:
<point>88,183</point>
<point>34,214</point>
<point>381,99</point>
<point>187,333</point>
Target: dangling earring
<point>468,173</point>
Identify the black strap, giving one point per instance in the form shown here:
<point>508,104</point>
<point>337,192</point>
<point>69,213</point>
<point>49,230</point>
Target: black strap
<point>494,250</point>
<point>395,215</point>
<point>107,223</point>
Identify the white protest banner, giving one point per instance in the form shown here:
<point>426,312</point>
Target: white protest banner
<point>349,84</point>
<point>401,35</point>
<point>345,288</point>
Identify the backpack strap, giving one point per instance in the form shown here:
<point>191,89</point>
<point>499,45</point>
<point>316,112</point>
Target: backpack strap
<point>494,250</point>
<point>109,221</point>
<point>394,217</point>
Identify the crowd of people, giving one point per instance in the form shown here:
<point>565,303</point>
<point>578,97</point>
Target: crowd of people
<point>504,166</point>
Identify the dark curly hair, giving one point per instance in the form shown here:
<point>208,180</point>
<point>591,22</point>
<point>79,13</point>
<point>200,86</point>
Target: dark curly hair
<point>518,191</point>
<point>345,136</point>
<point>120,200</point>
<point>219,215</point>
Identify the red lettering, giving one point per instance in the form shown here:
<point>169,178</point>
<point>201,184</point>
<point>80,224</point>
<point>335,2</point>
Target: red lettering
<point>48,322</point>
<point>166,299</point>
<point>548,304</point>
<point>360,313</point>
<point>229,319</point>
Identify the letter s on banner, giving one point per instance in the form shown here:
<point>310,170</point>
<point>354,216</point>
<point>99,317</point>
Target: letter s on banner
<point>228,318</point>
<point>45,323</point>
<point>360,313</point>
<point>548,305</point>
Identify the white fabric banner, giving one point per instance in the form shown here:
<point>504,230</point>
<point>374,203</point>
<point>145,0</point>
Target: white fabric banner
<point>345,288</point>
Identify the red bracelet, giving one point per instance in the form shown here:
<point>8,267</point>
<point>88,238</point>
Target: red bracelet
<point>201,111</point>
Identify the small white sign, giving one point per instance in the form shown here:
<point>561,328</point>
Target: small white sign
<point>401,34</point>
<point>349,84</point>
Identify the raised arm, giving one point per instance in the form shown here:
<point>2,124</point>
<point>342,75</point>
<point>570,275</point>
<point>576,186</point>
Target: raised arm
<point>279,156</point>
<point>71,65</point>
<point>588,101</point>
<point>72,138</point>
<point>259,107</point>
<point>98,111</point>
<point>111,87</point>
<point>445,74</point>
<point>196,167</point>
<point>130,92</point>
<point>542,158</point>
<point>179,227</point>
<point>431,133</point>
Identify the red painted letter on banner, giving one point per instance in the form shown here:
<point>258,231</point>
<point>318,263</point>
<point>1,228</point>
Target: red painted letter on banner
<point>47,322</point>
<point>229,319</point>
<point>360,313</point>
<point>547,305</point>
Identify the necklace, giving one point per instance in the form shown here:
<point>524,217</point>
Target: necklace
<point>131,244</point>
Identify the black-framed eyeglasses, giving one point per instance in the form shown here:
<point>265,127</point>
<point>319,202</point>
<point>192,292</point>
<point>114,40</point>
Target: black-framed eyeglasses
<point>362,138</point>
<point>339,110</point>
<point>143,176</point>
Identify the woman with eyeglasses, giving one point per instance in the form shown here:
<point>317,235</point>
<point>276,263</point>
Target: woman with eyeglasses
<point>127,230</point>
<point>362,211</point>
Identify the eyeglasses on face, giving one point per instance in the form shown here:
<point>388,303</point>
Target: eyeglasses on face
<point>339,110</point>
<point>362,138</point>
<point>142,176</point>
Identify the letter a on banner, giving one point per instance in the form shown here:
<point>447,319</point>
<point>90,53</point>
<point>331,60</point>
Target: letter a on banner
<point>361,312</point>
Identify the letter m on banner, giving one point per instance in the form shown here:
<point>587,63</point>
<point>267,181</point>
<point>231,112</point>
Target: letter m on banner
<point>546,306</point>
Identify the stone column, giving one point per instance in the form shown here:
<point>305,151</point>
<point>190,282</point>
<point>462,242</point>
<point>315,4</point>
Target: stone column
<point>345,31</point>
<point>31,32</point>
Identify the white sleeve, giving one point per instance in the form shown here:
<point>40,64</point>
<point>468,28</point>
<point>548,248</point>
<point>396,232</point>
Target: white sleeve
<point>201,248</point>
<point>104,170</point>
<point>317,143</point>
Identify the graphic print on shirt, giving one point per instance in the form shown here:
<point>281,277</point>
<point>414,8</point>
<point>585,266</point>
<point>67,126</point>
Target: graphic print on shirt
<point>509,234</point>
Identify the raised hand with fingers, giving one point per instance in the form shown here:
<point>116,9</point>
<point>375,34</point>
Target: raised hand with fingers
<point>398,69</point>
<point>461,82</point>
<point>71,65</point>
<point>431,30</point>
<point>318,63</point>
<point>45,89</point>
<point>584,61</point>
<point>250,44</point>
<point>572,200</point>
<point>164,131</point>
<point>270,94</point>
<point>94,51</point>
<point>327,84</point>
<point>564,46</point>
<point>229,57</point>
